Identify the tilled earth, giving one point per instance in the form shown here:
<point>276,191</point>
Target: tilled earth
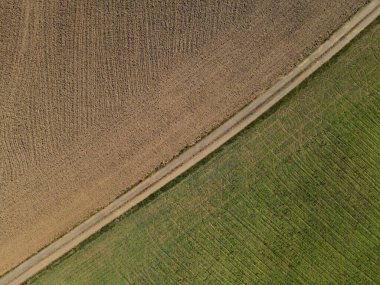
<point>95,95</point>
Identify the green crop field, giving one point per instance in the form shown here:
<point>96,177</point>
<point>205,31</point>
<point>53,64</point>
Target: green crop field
<point>295,198</point>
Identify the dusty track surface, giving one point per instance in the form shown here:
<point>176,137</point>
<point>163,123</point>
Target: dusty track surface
<point>93,97</point>
<point>194,154</point>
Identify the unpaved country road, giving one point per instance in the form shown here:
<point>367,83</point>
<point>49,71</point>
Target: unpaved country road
<point>197,152</point>
<point>93,99</point>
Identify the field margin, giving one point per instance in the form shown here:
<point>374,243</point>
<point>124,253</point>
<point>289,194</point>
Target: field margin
<point>197,152</point>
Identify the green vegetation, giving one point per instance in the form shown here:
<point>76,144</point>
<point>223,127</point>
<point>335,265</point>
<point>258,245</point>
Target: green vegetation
<point>293,199</point>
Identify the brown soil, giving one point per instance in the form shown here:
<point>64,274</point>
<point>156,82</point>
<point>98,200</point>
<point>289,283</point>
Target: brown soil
<point>94,96</point>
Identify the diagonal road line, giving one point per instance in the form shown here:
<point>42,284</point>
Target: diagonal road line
<point>197,152</point>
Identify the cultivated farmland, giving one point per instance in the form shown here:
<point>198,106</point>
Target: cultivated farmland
<point>95,94</point>
<point>293,199</point>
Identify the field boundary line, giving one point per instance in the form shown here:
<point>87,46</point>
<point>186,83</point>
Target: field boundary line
<point>197,152</point>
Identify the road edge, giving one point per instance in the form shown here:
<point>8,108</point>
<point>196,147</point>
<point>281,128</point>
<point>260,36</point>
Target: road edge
<point>197,152</point>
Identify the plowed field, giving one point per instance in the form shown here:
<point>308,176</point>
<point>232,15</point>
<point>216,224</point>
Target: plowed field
<point>94,95</point>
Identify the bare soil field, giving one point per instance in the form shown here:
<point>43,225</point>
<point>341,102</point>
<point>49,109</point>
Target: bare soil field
<point>94,96</point>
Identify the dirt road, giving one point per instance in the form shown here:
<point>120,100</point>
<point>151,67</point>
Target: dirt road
<point>197,152</point>
<point>94,95</point>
